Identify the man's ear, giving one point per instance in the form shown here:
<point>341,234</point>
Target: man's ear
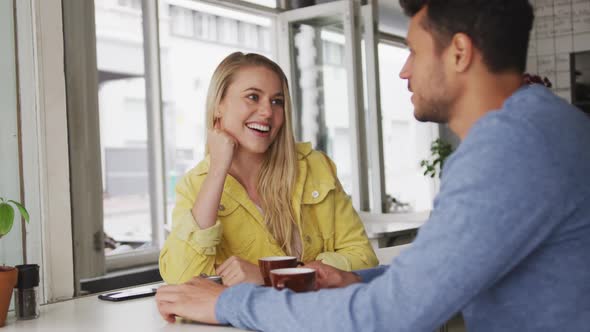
<point>461,51</point>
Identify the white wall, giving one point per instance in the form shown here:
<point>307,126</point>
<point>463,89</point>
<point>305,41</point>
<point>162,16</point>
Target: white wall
<point>561,27</point>
<point>10,245</point>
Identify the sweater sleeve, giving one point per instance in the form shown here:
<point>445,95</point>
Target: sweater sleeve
<point>486,220</point>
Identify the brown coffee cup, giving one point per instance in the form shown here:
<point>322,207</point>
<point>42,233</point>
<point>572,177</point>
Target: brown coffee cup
<point>266,264</point>
<point>296,279</point>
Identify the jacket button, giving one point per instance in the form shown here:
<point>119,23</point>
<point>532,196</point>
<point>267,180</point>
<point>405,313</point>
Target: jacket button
<point>221,207</point>
<point>315,194</point>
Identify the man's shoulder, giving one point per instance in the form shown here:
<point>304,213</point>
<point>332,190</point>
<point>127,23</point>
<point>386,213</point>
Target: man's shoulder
<point>541,106</point>
<point>535,134</point>
<point>533,112</point>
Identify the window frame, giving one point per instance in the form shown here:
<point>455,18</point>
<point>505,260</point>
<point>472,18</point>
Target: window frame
<point>42,105</point>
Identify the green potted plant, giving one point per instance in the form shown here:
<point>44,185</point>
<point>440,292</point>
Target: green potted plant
<point>440,152</point>
<point>8,274</point>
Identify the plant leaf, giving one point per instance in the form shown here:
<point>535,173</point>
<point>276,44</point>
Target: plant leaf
<point>21,209</point>
<point>6,218</point>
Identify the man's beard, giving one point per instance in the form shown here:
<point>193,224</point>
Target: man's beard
<point>433,110</point>
<point>434,106</point>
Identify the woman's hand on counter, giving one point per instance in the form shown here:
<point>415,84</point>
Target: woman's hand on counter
<point>236,270</point>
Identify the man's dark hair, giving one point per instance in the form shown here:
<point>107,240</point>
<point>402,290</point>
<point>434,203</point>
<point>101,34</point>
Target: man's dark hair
<point>500,29</point>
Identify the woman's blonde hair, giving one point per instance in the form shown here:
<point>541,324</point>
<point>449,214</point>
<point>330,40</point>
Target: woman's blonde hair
<point>277,177</point>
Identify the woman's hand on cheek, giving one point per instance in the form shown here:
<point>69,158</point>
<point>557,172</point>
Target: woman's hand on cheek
<point>221,147</point>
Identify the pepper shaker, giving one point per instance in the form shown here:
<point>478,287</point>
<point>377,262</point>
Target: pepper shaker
<point>26,292</point>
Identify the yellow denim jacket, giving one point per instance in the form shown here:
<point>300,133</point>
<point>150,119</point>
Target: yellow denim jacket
<point>330,228</point>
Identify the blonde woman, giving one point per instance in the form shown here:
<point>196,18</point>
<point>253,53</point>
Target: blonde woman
<point>258,193</point>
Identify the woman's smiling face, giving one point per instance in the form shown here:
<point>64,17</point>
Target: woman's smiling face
<point>252,109</point>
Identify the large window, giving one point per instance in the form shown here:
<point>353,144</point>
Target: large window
<point>405,141</point>
<point>123,125</point>
<point>187,30</point>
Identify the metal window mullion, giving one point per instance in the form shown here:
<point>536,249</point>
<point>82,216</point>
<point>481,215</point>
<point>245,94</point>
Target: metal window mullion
<point>284,34</point>
<point>157,178</point>
<point>360,195</point>
<point>374,136</point>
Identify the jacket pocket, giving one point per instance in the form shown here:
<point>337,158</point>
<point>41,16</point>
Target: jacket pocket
<point>238,227</point>
<point>315,194</point>
<point>317,214</point>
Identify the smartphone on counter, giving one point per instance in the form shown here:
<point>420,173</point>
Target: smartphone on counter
<point>129,294</point>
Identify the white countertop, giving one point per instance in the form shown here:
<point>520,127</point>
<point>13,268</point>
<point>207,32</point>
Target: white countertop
<point>91,314</point>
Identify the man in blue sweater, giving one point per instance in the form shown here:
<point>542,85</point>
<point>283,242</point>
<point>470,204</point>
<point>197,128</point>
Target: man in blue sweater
<point>508,240</point>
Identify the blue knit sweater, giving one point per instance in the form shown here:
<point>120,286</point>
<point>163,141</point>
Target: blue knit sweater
<point>507,243</point>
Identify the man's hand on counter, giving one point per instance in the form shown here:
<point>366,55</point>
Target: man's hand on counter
<point>194,300</point>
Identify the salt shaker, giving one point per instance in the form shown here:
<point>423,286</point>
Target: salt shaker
<point>26,292</point>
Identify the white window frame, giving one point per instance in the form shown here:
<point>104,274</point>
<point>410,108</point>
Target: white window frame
<point>45,145</point>
<point>374,138</point>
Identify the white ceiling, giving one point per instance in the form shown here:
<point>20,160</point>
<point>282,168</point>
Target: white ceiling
<point>392,19</point>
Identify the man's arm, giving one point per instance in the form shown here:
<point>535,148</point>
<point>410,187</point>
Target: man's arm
<point>369,274</point>
<point>490,214</point>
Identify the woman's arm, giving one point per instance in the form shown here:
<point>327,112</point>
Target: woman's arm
<point>221,150</point>
<point>204,211</point>
<point>188,250</point>
<point>352,249</point>
<point>191,247</point>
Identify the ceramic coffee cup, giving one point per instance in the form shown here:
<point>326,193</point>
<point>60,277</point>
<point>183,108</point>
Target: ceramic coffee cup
<point>266,264</point>
<point>296,279</point>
